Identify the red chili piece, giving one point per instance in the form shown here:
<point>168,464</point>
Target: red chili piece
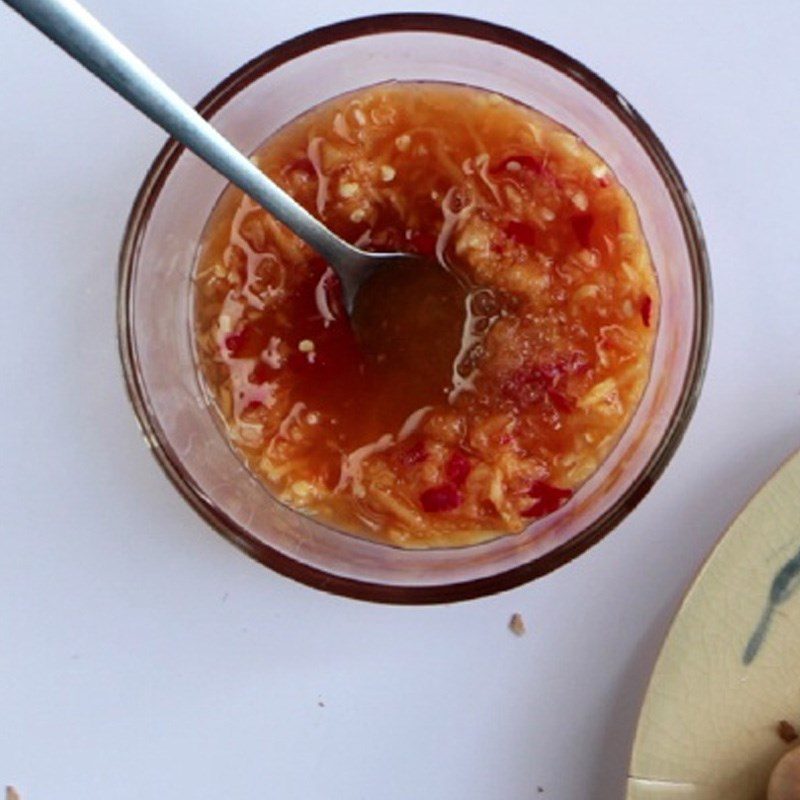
<point>646,308</point>
<point>562,402</point>
<point>247,342</point>
<point>261,373</point>
<point>582,228</point>
<point>444,497</point>
<point>415,454</point>
<point>522,385</point>
<point>521,232</point>
<point>233,343</point>
<point>548,498</point>
<point>458,467</point>
<point>497,245</point>
<point>422,243</point>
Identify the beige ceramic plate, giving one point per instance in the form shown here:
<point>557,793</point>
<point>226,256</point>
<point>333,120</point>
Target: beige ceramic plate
<point>730,668</point>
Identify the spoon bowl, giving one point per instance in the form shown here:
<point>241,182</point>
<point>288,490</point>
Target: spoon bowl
<point>409,313</point>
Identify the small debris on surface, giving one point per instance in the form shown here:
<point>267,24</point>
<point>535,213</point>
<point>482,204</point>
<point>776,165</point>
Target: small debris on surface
<point>517,625</point>
<point>320,704</point>
<point>539,790</point>
<point>12,793</point>
<point>787,731</point>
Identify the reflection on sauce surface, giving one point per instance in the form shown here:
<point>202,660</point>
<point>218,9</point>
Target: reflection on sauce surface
<point>512,390</point>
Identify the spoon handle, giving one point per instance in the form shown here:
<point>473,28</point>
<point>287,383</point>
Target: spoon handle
<point>77,32</point>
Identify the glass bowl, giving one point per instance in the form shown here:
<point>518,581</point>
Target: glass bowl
<point>155,308</point>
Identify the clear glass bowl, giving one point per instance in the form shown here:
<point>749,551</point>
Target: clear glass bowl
<point>155,309</point>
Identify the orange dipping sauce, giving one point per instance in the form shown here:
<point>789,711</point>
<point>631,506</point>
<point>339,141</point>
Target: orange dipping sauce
<point>521,384</point>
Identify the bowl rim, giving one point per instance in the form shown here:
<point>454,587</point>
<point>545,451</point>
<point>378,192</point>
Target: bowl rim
<point>530,46</point>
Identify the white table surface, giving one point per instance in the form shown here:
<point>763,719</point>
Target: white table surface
<point>141,656</point>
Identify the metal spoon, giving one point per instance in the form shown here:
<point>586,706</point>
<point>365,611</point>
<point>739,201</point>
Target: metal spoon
<point>71,27</point>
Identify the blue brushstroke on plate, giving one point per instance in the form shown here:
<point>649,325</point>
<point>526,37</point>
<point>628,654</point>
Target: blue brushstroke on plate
<point>784,585</point>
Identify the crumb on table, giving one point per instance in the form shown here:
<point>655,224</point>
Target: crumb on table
<point>516,624</point>
<point>12,793</point>
<point>787,731</point>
